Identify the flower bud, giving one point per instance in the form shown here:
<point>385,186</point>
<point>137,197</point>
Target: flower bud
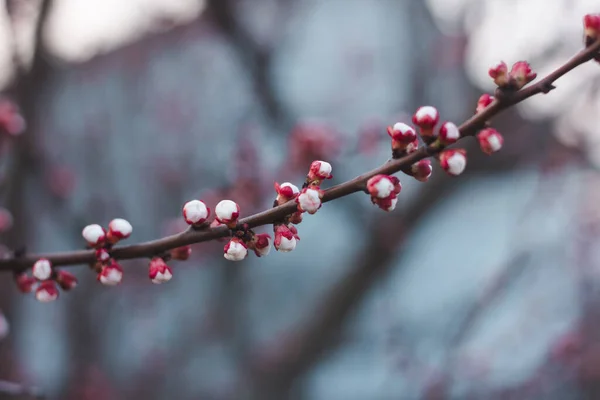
<point>382,186</point>
<point>449,133</point>
<point>484,101</point>
<point>521,74</point>
<point>286,192</point>
<point>318,172</point>
<point>195,212</point>
<point>42,269</point>
<point>94,235</point>
<point>499,74</point>
<point>490,140</point>
<point>159,272</point>
<point>66,280</point>
<point>285,238</point>
<point>426,117</point>
<point>118,229</point>
<point>46,292</point>
<point>25,283</point>
<point>453,161</point>
<point>591,26</point>
<point>111,274</point>
<point>309,200</point>
<point>227,212</point>
<point>261,244</point>
<point>421,170</point>
<point>235,250</point>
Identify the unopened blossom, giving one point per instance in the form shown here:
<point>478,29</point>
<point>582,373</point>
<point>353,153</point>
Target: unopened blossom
<point>421,170</point>
<point>25,283</point>
<point>318,172</point>
<point>402,136</point>
<point>46,292</point>
<point>426,117</point>
<point>402,133</point>
<point>118,229</point>
<point>261,244</point>
<point>181,253</point>
<point>285,237</point>
<point>309,200</point>
<point>111,274</point>
<point>484,101</point>
<point>159,272</point>
<point>521,74</point>
<point>412,146</point>
<point>499,74</point>
<point>453,161</point>
<point>384,190</point>
<point>102,255</point>
<point>382,186</point>
<point>591,26</point>
<point>66,280</point>
<point>285,192</point>
<point>94,235</point>
<point>227,212</point>
<point>235,250</point>
<point>42,269</point>
<point>449,133</point>
<point>490,140</point>
<point>195,212</point>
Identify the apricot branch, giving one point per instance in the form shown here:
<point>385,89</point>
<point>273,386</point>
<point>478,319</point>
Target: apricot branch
<point>408,156</point>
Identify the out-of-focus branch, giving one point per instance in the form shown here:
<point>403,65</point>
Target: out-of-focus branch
<point>253,55</point>
<point>358,184</point>
<point>26,87</point>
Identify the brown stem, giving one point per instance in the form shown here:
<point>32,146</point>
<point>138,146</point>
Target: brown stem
<point>190,236</point>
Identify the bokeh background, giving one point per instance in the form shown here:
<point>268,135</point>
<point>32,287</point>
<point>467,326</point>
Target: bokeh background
<point>484,286</point>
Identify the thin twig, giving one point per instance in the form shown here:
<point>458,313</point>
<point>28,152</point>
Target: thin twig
<point>190,236</point>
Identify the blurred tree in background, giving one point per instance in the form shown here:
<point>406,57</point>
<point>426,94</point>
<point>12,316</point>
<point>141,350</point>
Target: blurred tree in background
<point>483,286</point>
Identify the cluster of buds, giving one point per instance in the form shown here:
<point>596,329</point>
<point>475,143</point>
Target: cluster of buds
<point>405,141</point>
<point>44,281</point>
<point>384,190</point>
<point>11,119</point>
<point>110,273</point>
<point>519,75</point>
<point>245,239</point>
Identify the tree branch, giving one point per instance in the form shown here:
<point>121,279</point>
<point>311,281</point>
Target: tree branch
<point>358,184</point>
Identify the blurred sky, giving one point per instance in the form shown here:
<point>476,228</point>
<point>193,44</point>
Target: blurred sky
<point>78,30</point>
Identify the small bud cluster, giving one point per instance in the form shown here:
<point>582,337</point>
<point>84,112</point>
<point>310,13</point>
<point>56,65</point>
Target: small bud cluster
<point>44,281</point>
<point>109,272</point>
<point>520,75</point>
<point>591,26</point>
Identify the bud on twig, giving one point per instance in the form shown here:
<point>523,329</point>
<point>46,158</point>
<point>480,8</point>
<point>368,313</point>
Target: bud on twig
<point>159,272</point>
<point>227,212</point>
<point>453,161</point>
<point>94,235</point>
<point>195,212</point>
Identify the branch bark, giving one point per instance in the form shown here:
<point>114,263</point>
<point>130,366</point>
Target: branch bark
<point>358,184</point>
